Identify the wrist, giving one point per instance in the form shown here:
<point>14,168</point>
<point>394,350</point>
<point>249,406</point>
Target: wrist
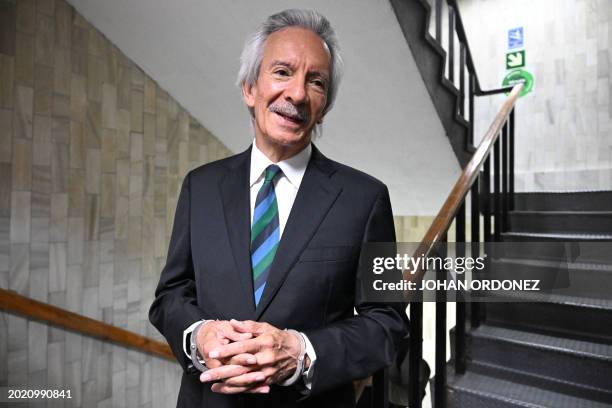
<point>293,343</point>
<point>299,356</point>
<point>196,357</point>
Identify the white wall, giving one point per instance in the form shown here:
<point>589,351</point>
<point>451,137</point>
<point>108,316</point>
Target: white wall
<point>383,122</point>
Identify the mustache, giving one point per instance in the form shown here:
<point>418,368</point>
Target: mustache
<point>290,110</point>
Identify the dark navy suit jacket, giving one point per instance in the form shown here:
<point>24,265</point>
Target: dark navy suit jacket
<point>312,283</point>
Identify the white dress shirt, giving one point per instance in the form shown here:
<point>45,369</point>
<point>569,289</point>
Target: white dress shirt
<point>285,188</point>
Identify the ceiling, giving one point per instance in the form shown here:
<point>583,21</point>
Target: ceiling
<point>383,122</point>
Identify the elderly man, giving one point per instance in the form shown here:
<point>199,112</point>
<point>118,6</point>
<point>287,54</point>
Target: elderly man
<point>258,294</point>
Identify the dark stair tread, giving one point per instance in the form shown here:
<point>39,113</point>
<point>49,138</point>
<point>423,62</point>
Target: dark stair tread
<point>560,236</point>
<point>554,343</point>
<point>542,381</point>
<point>564,200</point>
<point>585,266</point>
<point>517,394</point>
<point>586,302</point>
<point>561,212</point>
<point>582,191</point>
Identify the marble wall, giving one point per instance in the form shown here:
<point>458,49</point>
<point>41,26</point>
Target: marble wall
<point>92,154</point>
<point>564,127</point>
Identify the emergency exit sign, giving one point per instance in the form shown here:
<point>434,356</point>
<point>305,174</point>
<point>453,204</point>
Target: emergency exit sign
<point>515,59</point>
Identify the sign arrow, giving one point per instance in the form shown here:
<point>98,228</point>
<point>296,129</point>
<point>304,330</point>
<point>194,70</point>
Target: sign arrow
<point>515,59</point>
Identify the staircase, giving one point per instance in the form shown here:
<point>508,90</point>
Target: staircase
<point>415,17</point>
<point>552,349</point>
<point>557,350</point>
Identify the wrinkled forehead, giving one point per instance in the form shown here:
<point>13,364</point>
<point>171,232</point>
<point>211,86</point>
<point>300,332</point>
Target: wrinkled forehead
<point>297,45</point>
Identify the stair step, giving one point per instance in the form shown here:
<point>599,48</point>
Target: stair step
<point>571,365</point>
<point>562,277</point>
<point>581,222</point>
<point>588,248</point>
<point>553,237</point>
<point>412,17</point>
<point>479,391</point>
<point>578,317</point>
<point>564,201</point>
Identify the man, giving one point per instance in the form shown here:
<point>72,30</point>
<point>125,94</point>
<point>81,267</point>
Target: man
<point>259,289</point>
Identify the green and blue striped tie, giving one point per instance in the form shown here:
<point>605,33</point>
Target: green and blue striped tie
<point>265,231</point>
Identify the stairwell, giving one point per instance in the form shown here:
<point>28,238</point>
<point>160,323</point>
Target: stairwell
<point>552,349</point>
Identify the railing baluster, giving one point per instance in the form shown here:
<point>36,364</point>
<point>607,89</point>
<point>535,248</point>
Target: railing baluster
<point>451,43</point>
<point>486,199</point>
<point>471,86</point>
<point>475,246</point>
<point>511,160</point>
<point>497,227</point>
<point>440,378</point>
<point>439,21</point>
<point>416,353</point>
<point>460,301</point>
<point>462,79</point>
<point>504,175</point>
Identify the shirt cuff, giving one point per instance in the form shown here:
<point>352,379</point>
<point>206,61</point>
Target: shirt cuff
<point>187,337</point>
<point>310,352</point>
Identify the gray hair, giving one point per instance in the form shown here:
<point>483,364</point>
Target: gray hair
<point>252,54</point>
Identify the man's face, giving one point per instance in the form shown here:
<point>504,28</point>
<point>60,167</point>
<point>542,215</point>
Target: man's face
<point>291,90</point>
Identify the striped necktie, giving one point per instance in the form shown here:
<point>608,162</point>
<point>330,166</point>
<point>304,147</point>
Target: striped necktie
<point>265,231</point>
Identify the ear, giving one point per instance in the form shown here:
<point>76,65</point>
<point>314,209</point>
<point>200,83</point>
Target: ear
<point>248,94</point>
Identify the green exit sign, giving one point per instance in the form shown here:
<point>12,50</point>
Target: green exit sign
<point>515,59</point>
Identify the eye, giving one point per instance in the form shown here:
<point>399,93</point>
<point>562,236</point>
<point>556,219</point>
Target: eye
<point>281,71</point>
<point>319,83</point>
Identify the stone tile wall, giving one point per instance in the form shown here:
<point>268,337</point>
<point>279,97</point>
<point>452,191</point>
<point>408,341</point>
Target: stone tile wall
<point>92,154</point>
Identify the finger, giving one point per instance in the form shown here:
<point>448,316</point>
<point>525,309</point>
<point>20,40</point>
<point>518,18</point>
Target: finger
<point>266,357</point>
<point>262,389</point>
<point>236,336</point>
<point>271,374</point>
<point>212,363</point>
<point>227,389</point>
<point>246,380</point>
<point>247,346</point>
<point>211,344</point>
<point>223,372</point>
<point>243,359</point>
<point>247,326</point>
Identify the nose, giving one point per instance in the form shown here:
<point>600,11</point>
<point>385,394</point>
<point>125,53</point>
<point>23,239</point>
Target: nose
<point>296,91</point>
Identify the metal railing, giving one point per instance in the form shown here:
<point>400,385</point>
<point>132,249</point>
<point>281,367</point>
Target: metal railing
<point>475,180</point>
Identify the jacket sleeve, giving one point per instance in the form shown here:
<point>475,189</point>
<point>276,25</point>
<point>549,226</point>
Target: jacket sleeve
<point>358,346</point>
<point>175,306</point>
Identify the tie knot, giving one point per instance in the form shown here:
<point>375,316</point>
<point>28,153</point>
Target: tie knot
<point>271,172</point>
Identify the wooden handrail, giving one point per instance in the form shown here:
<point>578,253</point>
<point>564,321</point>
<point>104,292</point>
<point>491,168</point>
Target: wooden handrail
<point>445,216</point>
<point>32,309</point>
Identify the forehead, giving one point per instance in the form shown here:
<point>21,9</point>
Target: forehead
<point>297,45</point>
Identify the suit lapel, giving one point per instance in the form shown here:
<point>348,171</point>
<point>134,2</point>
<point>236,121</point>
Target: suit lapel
<point>314,199</point>
<point>235,194</point>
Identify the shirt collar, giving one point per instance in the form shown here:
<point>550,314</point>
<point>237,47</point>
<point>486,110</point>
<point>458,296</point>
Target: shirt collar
<point>293,168</point>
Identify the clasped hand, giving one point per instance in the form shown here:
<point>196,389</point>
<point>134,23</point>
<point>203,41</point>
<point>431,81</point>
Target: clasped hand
<point>246,356</point>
